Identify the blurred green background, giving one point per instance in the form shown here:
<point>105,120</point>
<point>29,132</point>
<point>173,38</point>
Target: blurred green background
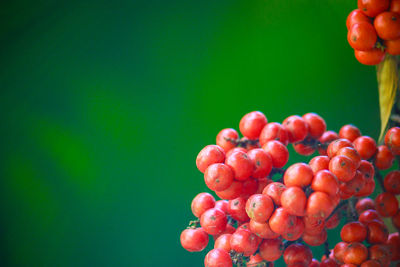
<point>105,104</point>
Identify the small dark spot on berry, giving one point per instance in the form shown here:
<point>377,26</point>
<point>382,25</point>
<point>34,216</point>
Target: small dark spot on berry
<point>212,218</point>
<point>236,203</point>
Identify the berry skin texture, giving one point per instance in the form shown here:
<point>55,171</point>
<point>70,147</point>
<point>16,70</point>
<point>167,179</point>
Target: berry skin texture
<point>241,165</point>
<point>393,47</point>
<point>201,203</point>
<point>237,209</point>
<point>209,155</point>
<point>278,152</point>
<point>325,181</point>
<point>297,253</point>
<point>383,158</point>
<point>336,145</point>
<point>319,163</point>
<point>316,125</point>
<point>218,177</point>
<point>223,242</point>
<point>296,231</point>
<point>274,191</point>
<point>380,253</point>
<point>356,16</point>
<point>387,25</point>
<point>232,192</point>
<point>396,220</point>
<point>298,174</point>
<point>315,240</point>
<point>294,201</point>
<point>386,204</point>
<point>349,132</point>
<point>343,168</point>
<point>217,258</point>
<point>252,124</point>
<point>259,208</point>
<point>365,146</point>
<point>352,154</point>
<point>213,221</point>
<point>296,127</point>
<point>274,131</point>
<point>395,6</point>
<point>370,263</point>
<point>394,242</point>
<point>353,232</point>
<point>223,135</point>
<point>377,232</point>
<point>244,241</point>
<point>392,182</point>
<point>362,36</point>
<point>319,205</point>
<point>364,204</point>
<point>281,221</point>
<point>194,240</point>
<point>392,140</point>
<point>371,57</point>
<point>355,253</point>
<point>339,250</point>
<point>262,230</point>
<point>271,249</point>
<point>262,162</point>
<point>368,216</point>
<point>372,8</point>
<point>326,138</point>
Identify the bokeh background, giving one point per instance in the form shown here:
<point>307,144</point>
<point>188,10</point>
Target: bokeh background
<point>104,106</point>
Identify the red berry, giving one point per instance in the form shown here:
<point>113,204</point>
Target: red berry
<point>241,165</point>
<point>262,162</point>
<point>297,253</point>
<point>370,263</point>
<point>380,253</point>
<point>281,221</point>
<point>271,249</point>
<point>226,139</point>
<point>316,125</point>
<point>298,174</point>
<point>274,131</point>
<point>194,239</point>
<point>319,205</point>
<point>353,232</point>
<point>213,221</point>
<point>394,242</point>
<point>355,253</point>
<point>349,131</point>
<point>364,204</point>
<point>209,155</point>
<point>244,241</point>
<point>386,204</point>
<point>274,191</point>
<point>237,209</point>
<point>371,8</point>
<point>362,36</point>
<point>387,25</point>
<point>313,225</point>
<point>355,16</point>
<point>278,152</point>
<point>223,242</point>
<point>370,57</point>
<point>369,215</point>
<point>392,182</point>
<point>392,140</point>
<point>393,47</point>
<point>325,139</point>
<point>319,163</point>
<point>383,158</point>
<point>365,146</point>
<point>304,149</point>
<point>396,220</point>
<point>333,221</point>
<point>296,231</point>
<point>377,232</point>
<point>201,203</point>
<point>294,200</point>
<point>315,240</point>
<point>343,168</point>
<point>297,128</point>
<point>352,154</point>
<point>339,251</point>
<point>218,176</point>
<point>250,187</point>
<point>262,230</point>
<point>217,258</point>
<point>232,192</point>
<point>259,207</point>
<point>222,205</point>
<point>325,181</point>
<point>336,145</point>
<point>252,124</point>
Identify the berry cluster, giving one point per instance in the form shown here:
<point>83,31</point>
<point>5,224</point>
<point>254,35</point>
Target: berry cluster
<point>374,29</point>
<point>266,211</point>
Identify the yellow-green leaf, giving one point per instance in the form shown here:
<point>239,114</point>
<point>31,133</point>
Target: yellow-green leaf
<point>387,83</point>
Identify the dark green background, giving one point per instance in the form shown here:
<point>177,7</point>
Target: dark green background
<point>105,104</point>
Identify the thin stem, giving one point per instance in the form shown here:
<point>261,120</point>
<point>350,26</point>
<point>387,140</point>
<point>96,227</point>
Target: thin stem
<point>380,179</point>
<point>352,209</point>
<point>326,247</point>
